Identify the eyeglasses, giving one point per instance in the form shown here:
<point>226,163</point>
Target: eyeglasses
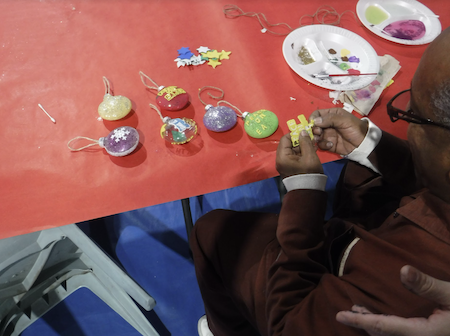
<point>399,108</point>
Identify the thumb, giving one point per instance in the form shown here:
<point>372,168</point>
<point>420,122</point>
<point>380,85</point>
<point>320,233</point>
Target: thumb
<point>425,285</point>
<point>305,143</point>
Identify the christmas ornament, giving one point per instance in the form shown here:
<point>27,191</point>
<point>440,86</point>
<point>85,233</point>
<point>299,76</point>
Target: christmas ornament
<point>297,128</point>
<point>171,98</point>
<point>217,118</point>
<point>113,107</point>
<point>260,124</point>
<point>119,142</point>
<point>176,131</point>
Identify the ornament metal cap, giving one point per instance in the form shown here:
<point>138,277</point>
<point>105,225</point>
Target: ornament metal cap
<point>245,114</point>
<point>207,107</point>
<point>161,87</point>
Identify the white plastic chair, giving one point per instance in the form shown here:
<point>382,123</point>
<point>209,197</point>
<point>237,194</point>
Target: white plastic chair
<point>40,269</point>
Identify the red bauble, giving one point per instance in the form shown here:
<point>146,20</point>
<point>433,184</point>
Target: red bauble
<point>172,98</point>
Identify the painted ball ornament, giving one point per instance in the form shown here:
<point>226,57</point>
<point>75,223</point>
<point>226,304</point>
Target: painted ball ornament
<point>120,141</point>
<point>179,130</point>
<point>114,107</point>
<point>260,124</point>
<point>219,118</point>
<point>172,98</point>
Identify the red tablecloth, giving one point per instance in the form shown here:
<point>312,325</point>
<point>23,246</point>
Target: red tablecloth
<point>56,52</point>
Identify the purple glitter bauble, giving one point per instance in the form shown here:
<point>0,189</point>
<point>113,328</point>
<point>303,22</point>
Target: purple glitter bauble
<point>121,141</point>
<point>219,118</point>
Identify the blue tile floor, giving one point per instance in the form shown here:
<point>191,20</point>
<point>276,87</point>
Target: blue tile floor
<point>151,245</point>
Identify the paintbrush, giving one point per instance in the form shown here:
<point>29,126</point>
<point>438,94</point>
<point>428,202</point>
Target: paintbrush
<point>381,30</point>
<point>341,75</point>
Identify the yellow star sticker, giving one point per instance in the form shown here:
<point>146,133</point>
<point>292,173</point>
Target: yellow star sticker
<point>296,129</point>
<point>213,54</point>
<point>214,63</point>
<point>224,55</point>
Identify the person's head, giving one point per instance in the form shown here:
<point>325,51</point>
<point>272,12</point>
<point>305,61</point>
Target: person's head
<point>430,99</point>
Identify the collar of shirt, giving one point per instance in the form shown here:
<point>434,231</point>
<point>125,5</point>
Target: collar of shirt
<point>429,212</point>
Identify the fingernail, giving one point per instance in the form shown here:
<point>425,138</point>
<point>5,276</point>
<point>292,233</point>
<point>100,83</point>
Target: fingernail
<point>318,120</point>
<point>304,133</point>
<point>329,144</point>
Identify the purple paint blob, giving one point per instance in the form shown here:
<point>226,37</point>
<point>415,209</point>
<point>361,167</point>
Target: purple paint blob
<point>406,29</point>
<point>353,59</point>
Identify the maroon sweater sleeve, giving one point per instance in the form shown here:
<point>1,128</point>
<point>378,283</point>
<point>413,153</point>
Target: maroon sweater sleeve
<point>299,266</point>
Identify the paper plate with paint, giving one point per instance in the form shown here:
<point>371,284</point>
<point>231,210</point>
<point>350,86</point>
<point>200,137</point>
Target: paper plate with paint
<point>402,21</point>
<point>316,51</point>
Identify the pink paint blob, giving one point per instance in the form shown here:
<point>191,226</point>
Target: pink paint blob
<point>406,29</point>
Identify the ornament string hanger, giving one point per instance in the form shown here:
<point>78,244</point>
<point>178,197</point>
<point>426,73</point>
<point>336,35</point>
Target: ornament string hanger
<point>144,77</point>
<point>172,98</point>
<point>324,15</point>
<point>159,112</point>
<point>222,93</point>
<point>236,109</point>
<point>176,131</point>
<point>94,142</point>
<point>107,86</point>
<point>233,11</point>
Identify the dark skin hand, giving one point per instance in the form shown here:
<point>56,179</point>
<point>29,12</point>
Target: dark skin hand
<point>437,324</point>
<point>335,130</point>
<point>299,160</point>
<point>338,131</point>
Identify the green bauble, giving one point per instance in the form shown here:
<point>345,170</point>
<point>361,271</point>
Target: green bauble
<point>260,124</point>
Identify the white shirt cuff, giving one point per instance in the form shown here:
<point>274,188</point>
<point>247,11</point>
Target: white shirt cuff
<point>305,181</point>
<point>371,140</point>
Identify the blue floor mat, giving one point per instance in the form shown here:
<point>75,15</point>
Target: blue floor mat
<point>151,245</point>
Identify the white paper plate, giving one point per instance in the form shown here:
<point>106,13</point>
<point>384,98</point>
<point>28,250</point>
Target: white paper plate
<point>397,10</point>
<point>318,40</point>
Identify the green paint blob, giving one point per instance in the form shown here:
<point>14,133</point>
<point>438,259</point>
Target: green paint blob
<point>375,15</point>
<point>261,124</point>
<point>344,66</point>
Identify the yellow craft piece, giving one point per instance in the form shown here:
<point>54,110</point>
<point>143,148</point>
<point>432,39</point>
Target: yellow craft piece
<point>213,54</point>
<point>214,63</point>
<point>297,128</point>
<point>224,55</point>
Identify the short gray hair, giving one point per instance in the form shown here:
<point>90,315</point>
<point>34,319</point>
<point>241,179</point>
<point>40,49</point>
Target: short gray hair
<point>440,101</point>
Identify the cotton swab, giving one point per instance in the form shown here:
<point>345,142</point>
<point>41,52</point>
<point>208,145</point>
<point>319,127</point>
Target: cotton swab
<point>48,115</point>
